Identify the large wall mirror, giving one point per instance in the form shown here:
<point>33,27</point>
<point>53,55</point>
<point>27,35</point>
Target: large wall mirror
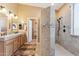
<point>75,19</point>
<point>3,22</point>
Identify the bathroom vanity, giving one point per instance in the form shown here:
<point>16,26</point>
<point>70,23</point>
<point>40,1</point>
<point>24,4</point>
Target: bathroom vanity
<point>10,43</point>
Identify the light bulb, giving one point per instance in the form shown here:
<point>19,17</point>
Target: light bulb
<point>12,15</point>
<point>15,16</point>
<point>3,10</point>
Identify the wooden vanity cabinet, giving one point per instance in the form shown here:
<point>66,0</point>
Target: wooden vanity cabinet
<point>1,48</point>
<point>19,41</point>
<point>18,44</point>
<point>23,39</point>
<point>9,47</point>
<point>15,44</point>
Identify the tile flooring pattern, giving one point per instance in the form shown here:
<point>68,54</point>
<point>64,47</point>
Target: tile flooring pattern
<point>27,49</point>
<point>60,51</point>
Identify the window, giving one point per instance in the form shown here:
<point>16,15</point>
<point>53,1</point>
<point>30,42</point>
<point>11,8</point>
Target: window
<point>75,19</point>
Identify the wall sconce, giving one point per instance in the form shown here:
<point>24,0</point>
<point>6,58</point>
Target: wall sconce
<point>11,14</point>
<point>3,10</point>
<point>15,17</point>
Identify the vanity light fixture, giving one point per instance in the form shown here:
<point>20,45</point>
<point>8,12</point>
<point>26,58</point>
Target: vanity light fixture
<point>2,7</point>
<point>15,17</point>
<point>3,10</point>
<point>11,14</point>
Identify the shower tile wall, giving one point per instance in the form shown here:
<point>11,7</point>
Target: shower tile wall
<point>52,30</point>
<point>46,47</point>
<point>45,32</point>
<point>68,41</point>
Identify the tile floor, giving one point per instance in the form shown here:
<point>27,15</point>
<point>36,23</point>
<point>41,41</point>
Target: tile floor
<point>27,49</point>
<point>60,51</point>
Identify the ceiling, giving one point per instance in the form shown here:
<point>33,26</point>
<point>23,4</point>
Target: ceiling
<point>42,5</point>
<point>57,6</point>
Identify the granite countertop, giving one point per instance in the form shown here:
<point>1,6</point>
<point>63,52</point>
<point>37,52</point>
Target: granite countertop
<point>9,36</point>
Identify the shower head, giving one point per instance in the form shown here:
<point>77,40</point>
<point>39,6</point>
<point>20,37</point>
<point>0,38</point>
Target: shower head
<point>59,18</point>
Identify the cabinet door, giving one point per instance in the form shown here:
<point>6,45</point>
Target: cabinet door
<point>1,48</point>
<point>9,48</point>
<point>24,38</point>
<point>21,39</point>
<point>18,40</point>
<point>15,44</point>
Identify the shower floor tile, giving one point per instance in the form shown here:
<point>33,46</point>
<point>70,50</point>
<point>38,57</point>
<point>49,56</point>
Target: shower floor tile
<point>60,51</point>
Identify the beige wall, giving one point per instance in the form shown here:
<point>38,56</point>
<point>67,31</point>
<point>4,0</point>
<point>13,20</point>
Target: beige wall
<point>22,11</point>
<point>45,32</point>
<point>26,11</point>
